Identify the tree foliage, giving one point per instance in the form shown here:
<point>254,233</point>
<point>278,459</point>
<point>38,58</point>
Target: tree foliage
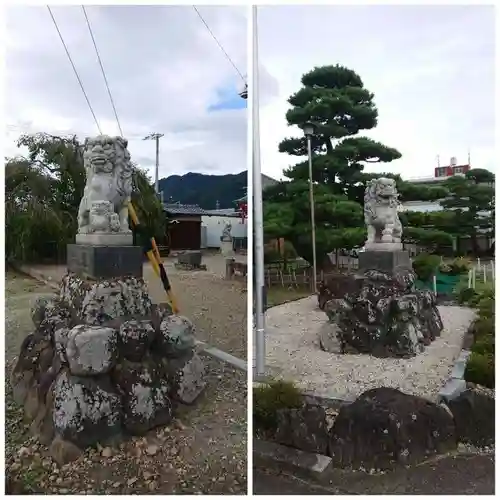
<point>336,101</point>
<point>43,193</point>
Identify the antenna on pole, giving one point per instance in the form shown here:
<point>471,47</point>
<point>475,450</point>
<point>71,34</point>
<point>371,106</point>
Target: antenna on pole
<point>438,162</point>
<point>468,157</point>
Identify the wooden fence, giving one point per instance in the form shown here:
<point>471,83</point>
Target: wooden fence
<point>299,274</point>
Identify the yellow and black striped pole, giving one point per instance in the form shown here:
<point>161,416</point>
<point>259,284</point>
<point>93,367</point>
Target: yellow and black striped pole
<point>153,254</point>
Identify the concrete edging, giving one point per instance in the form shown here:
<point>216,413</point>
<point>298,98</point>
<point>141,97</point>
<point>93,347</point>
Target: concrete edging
<point>279,457</point>
<point>456,383</point>
<point>238,363</point>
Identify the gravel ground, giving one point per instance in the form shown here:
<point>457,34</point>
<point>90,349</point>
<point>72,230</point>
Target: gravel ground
<point>202,451</point>
<point>293,352</point>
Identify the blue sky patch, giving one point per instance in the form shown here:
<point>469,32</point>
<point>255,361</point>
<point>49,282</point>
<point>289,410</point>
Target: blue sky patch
<point>228,98</point>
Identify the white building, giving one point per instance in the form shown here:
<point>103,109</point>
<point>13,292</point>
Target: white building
<point>213,224</point>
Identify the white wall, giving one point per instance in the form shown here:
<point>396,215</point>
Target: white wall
<point>421,206</point>
<point>215,224</point>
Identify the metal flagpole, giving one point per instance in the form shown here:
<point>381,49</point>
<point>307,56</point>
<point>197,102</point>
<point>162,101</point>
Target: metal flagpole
<point>260,347</point>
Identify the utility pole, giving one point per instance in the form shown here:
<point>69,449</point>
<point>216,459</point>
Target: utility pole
<point>156,137</point>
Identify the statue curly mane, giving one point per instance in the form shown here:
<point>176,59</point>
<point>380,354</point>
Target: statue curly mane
<point>109,179</point>
<point>380,211</point>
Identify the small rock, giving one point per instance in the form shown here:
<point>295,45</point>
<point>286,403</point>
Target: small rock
<point>64,452</point>
<point>23,451</point>
<point>132,481</point>
<point>107,452</point>
<point>152,449</point>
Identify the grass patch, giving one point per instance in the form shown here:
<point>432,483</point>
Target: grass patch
<point>277,295</point>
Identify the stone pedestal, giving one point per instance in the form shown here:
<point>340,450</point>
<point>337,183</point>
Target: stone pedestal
<point>105,239</point>
<point>102,362</point>
<point>226,248</point>
<point>384,261</point>
<point>105,261</point>
<point>378,311</point>
<point>191,258</point>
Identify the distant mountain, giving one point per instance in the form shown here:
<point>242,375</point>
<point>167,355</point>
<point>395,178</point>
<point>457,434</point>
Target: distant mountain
<point>204,190</point>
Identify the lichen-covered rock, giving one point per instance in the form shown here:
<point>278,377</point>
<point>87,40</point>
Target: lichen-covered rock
<point>187,376</point>
<point>56,314</point>
<point>135,338</point>
<point>61,336</point>
<point>38,309</point>
<point>382,314</point>
<point>86,410</point>
<point>303,428</point>
<point>146,401</point>
<point>26,372</point>
<point>98,302</point>
<point>474,414</point>
<point>91,350</point>
<point>176,336</point>
<point>385,426</point>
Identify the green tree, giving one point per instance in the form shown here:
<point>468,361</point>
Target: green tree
<point>472,202</point>
<point>338,221</point>
<point>335,100</point>
<point>43,193</point>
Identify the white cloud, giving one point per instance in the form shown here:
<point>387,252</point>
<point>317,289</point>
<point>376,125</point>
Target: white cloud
<point>431,69</point>
<point>164,71</point>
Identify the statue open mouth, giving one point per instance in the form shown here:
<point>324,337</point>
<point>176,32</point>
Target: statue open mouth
<point>99,159</point>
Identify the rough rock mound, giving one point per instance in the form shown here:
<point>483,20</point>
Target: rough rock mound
<point>380,314</point>
<point>474,414</point>
<point>384,426</point>
<point>104,361</point>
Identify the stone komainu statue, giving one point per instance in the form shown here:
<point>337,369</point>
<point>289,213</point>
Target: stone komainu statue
<point>226,232</point>
<point>104,205</point>
<point>381,212</point>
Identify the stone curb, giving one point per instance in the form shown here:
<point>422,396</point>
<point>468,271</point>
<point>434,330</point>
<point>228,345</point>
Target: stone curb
<point>456,383</point>
<point>284,458</point>
<point>238,363</point>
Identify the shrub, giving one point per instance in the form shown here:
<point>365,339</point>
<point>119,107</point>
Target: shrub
<point>465,295</point>
<point>271,255</point>
<point>426,266</point>
<point>483,327</point>
<point>289,252</point>
<point>480,369</point>
<point>270,398</point>
<point>459,265</point>
<point>486,307</point>
<point>485,345</point>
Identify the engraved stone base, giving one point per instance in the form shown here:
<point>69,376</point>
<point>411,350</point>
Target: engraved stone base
<point>386,262</point>
<point>383,247</point>
<point>105,239</point>
<point>92,261</point>
<point>191,258</point>
<point>226,248</point>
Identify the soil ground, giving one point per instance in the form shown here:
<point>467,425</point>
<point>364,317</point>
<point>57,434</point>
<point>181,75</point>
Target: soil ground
<point>204,450</point>
<point>467,474</point>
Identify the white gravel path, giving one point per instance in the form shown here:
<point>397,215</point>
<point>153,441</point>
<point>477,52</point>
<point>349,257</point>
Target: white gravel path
<point>293,352</point>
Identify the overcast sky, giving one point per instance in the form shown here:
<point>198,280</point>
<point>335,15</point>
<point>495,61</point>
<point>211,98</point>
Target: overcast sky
<point>431,69</point>
<point>165,72</point>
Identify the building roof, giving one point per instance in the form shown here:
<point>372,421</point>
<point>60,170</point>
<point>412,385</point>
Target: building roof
<point>223,212</point>
<point>179,209</point>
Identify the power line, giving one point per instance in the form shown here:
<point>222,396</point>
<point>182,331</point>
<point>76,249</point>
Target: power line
<point>219,44</point>
<point>102,70</point>
<point>74,69</point>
